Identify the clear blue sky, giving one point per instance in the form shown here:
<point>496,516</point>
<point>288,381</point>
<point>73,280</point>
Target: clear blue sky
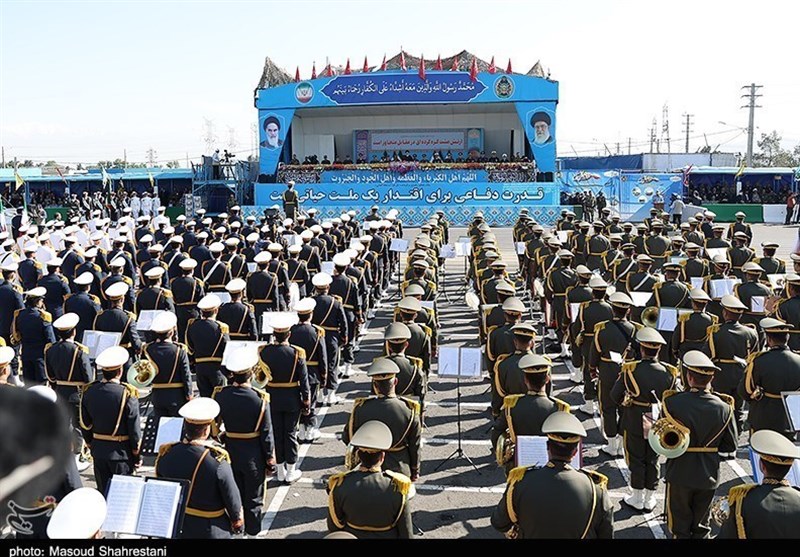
<point>81,81</point>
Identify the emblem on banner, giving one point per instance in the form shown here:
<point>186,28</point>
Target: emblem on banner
<point>304,92</point>
<point>503,87</point>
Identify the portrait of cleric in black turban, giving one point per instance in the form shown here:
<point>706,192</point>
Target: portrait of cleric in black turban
<point>272,127</point>
<point>541,122</point>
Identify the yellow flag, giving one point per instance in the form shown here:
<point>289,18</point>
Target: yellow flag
<point>740,171</point>
<point>19,180</point>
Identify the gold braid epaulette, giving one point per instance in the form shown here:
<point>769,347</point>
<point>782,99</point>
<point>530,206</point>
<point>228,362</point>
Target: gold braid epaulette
<point>600,480</point>
<point>672,369</point>
<point>510,401</point>
<point>263,394</point>
<point>516,474</point>
<point>336,480</point>
<point>736,496</point>
<point>220,454</point>
<point>726,398</point>
<point>132,391</point>
<point>413,405</point>
<point>402,483</point>
<point>561,405</point>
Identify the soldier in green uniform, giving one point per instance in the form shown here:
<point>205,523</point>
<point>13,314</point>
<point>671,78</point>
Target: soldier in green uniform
<point>641,236</point>
<point>577,243</point>
<point>771,510</point>
<point>611,256</point>
<point>729,345</point>
<point>768,374</point>
<point>706,419</point>
<point>488,289</point>
<point>556,500</point>
<point>500,340</point>
<point>752,288</point>
<point>576,295</point>
<point>508,376</point>
<point>420,267</point>
<point>523,413</point>
<point>419,345</point>
<point>694,235</point>
<point>640,385</point>
<point>611,347</point>
<point>590,315</point>
<point>670,294</point>
<point>648,221</point>
<point>771,264</point>
<point>557,284</point>
<point>721,272</point>
<point>596,246</point>
<point>399,413</point>
<point>656,245</point>
<point>370,502</point>
<point>789,310</point>
<point>739,254</point>
<point>740,226</point>
<point>694,266</point>
<point>691,332</point>
<point>411,379</point>
<point>617,275</point>
<point>493,314</point>
<point>717,241</point>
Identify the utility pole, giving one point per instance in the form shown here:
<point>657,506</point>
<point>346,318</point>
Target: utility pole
<point>653,136</point>
<point>3,149</point>
<point>688,128</point>
<point>125,158</point>
<point>151,156</point>
<point>629,145</point>
<point>751,128</point>
<point>665,127</point>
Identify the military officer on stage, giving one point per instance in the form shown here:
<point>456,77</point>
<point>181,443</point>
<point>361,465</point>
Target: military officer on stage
<point>32,330</point>
<point>206,339</point>
<point>214,507</point>
<point>524,412</point>
<point>770,510</point>
<point>109,419</point>
<point>117,320</point>
<point>556,500</point>
<point>187,290</point>
<point>707,419</point>
<point>729,345</point>
<point>750,289</point>
<point>411,379</point>
<point>691,332</point>
<point>788,310</point>
<point>370,502</point>
<point>216,272</point>
<point>239,316</point>
<point>402,415</point>
<point>246,418</point>
<point>767,375</point>
<point>611,347</point>
<point>311,338</point>
<point>641,384</point>
<point>172,385</point>
<point>290,200</point>
<point>329,314</point>
<point>508,375</point>
<point>285,366</point>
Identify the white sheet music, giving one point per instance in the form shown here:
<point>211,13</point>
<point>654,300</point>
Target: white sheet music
<point>169,431</point>
<point>327,267</point>
<point>677,260</point>
<point>563,235</point>
<point>792,404</point>
<point>462,249</point>
<point>269,317</point>
<point>97,341</point>
<point>354,242</point>
<point>224,297</point>
<point>713,252</point>
<point>124,499</point>
<point>520,248</point>
<point>574,310</point>
<point>721,287</point>
<point>234,345</point>
<point>252,266</point>
<point>640,299</point>
<point>427,304</point>
<point>757,304</point>
<point>159,508</point>
<point>470,362</point>
<point>447,252</point>
<point>697,282</point>
<point>531,450</point>
<point>615,357</point>
<point>146,317</point>
<point>448,361</point>
<point>667,319</point>
<point>399,245</point>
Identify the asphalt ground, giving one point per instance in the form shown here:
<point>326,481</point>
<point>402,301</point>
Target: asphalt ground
<point>456,500</point>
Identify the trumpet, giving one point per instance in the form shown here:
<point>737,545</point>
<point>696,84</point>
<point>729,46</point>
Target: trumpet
<point>668,438</point>
<point>142,373</point>
<point>650,317</point>
<point>720,510</point>
<point>504,450</point>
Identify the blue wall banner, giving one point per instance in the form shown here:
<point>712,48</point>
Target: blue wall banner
<point>539,121</point>
<point>418,177</point>
<point>383,88</point>
<point>477,194</point>
<point>273,128</point>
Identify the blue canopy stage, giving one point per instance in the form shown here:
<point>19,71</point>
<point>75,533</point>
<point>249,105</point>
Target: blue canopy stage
<point>366,117</point>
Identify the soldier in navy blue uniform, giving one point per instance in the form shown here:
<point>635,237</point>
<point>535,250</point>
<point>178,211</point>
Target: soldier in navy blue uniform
<point>216,272</point>
<point>279,268</point>
<point>154,262</point>
<point>297,270</point>
<point>70,259</point>
<point>120,250</point>
<point>92,267</point>
<point>32,330</point>
<point>236,262</point>
<point>329,314</point>
<point>57,287</point>
<point>200,251</point>
<point>187,290</point>
<point>238,315</point>
<point>245,415</point>
<point>311,338</point>
<point>172,383</point>
<point>102,255</point>
<point>116,266</point>
<point>345,289</point>
<point>173,255</point>
<point>153,296</point>
<point>143,253</point>
<point>10,299</point>
<point>82,303</point>
<point>29,269</point>
<point>309,253</point>
<point>206,339</point>
<point>285,366</point>
<point>117,320</point>
<point>189,236</point>
<point>109,419</point>
<point>262,288</point>
<point>214,508</point>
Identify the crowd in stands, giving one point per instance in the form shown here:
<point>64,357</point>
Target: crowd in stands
<point>756,193</point>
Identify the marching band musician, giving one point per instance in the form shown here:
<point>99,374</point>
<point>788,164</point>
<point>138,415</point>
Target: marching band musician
<point>187,291</point>
<point>115,275</point>
<point>596,246</point>
<point>344,288</point>
<point>298,271</point>
<point>576,295</point>
<point>172,382</point>
<point>656,245</point>
<point>329,314</point>
<point>591,314</point>
<point>508,376</point>
<point>411,380</point>
<point>239,316</point>
<point>215,272</point>
<point>751,288</point>
<point>641,384</point>
<point>691,333</point>
<point>671,294</point>
<point>311,338</point>
<point>556,286</point>
<point>214,506</point>
<point>117,320</point>
<point>246,418</point>
<point>788,310</point>
<point>57,287</point>
<point>290,396</point>
<point>708,427</point>
<point>739,254</point>
<point>556,500</point>
<point>577,243</point>
<point>263,287</point>
<point>626,264</point>
<point>206,339</point>
<point>500,340</point>
<point>279,268</point>
<point>32,330</point>
<point>109,419</point>
<point>741,227</point>
<point>771,264</point>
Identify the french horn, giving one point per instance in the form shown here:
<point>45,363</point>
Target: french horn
<point>142,373</point>
<point>504,450</point>
<point>668,438</point>
<point>650,317</point>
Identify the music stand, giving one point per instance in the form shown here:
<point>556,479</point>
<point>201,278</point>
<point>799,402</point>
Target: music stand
<point>453,363</point>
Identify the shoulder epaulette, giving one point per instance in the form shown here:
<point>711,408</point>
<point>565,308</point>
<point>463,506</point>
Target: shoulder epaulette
<point>561,405</point>
<point>737,493</point>
<point>83,347</point>
<point>414,360</point>
<point>127,280</point>
<point>516,474</point>
<point>402,483</point>
<point>94,298</point>
<point>668,394</point>
<point>220,454</point>
<point>672,369</point>
<point>510,401</point>
<point>599,326</point>
<point>711,329</point>
<point>359,401</point>
<point>47,316</point>
<point>600,480</point>
<point>500,358</point>
<point>85,387</point>
<point>684,317</point>
<point>224,327</point>
<point>264,395</point>
<point>726,398</point>
<point>131,315</point>
<point>320,330</point>
<point>413,405</point>
<point>133,392</point>
<point>427,330</point>
<point>300,351</point>
<point>628,367</point>
<point>335,480</point>
<point>165,448</point>
<point>218,389</point>
<point>166,293</point>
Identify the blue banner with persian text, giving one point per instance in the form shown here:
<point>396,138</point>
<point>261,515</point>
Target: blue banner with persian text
<point>368,177</point>
<point>402,88</point>
<point>477,195</point>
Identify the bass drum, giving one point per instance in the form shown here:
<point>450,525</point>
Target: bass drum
<point>294,295</point>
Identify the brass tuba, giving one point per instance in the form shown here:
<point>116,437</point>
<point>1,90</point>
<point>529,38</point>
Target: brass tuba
<point>504,450</point>
<point>650,317</point>
<point>142,373</point>
<point>261,375</point>
<point>668,438</point>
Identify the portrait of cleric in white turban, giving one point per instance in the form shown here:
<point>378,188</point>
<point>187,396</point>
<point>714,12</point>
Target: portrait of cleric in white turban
<point>272,127</point>
<point>541,122</point>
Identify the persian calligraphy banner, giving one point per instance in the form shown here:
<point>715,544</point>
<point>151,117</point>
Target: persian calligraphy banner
<point>388,88</point>
<point>373,177</point>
